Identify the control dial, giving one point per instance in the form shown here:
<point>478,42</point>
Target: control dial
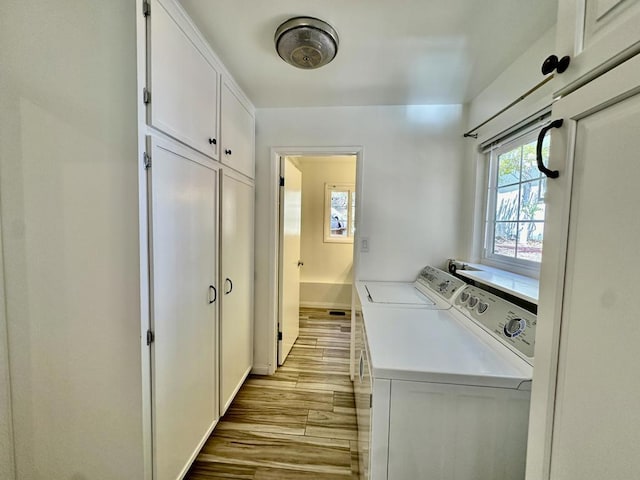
<point>514,327</point>
<point>473,301</point>
<point>464,296</point>
<point>482,307</point>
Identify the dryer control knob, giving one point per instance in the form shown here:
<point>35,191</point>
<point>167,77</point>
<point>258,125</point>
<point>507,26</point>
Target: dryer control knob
<point>472,302</point>
<point>514,327</point>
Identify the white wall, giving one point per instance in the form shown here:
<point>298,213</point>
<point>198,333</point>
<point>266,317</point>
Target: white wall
<point>523,74</point>
<point>410,204</point>
<point>69,209</point>
<point>325,278</point>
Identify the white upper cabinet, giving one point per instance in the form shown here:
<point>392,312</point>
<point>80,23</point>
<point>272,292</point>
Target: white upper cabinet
<point>238,132</point>
<point>183,83</point>
<point>597,35</point>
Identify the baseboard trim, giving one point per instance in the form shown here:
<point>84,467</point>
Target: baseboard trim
<point>261,370</point>
<point>329,306</point>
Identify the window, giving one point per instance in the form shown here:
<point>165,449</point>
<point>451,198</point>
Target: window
<point>339,213</point>
<point>515,204</point>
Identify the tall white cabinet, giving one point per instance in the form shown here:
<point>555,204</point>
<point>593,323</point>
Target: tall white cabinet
<point>183,214</point>
<point>586,390</point>
<point>200,221</point>
<point>236,302</point>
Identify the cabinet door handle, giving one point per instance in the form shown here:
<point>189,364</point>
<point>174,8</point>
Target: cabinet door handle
<point>227,151</point>
<point>213,290</point>
<point>227,292</point>
<point>212,141</point>
<point>549,173</point>
<point>361,366</point>
<point>552,63</point>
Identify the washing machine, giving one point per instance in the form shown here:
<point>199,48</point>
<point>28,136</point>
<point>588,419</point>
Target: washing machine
<point>448,389</point>
<point>432,289</point>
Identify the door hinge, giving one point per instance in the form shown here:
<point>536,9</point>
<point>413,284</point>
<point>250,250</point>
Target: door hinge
<point>282,181</point>
<point>146,158</point>
<point>146,8</point>
<point>150,337</point>
<point>146,95</point>
<point>279,335</point>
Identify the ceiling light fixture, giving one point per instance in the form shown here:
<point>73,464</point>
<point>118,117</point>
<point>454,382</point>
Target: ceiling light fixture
<point>306,42</point>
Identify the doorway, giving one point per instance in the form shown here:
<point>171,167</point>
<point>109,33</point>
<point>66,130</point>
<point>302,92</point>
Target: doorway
<point>317,228</point>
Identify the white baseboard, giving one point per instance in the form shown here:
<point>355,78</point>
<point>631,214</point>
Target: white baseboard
<point>329,306</point>
<point>261,370</point>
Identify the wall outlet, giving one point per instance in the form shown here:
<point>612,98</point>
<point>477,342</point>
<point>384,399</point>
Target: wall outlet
<point>364,245</point>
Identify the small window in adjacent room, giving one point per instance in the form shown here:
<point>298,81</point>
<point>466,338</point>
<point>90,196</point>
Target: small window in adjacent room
<point>339,208</point>
<point>514,226</point>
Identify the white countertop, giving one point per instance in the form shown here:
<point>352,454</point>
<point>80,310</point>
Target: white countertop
<point>519,286</point>
<point>433,346</point>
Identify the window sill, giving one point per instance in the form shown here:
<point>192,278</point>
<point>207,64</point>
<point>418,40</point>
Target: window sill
<point>520,286</point>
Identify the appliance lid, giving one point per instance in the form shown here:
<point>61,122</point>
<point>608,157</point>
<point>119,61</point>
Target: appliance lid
<point>396,293</point>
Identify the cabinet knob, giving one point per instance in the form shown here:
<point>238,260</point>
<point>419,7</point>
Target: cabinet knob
<point>227,151</point>
<point>213,141</point>
<point>552,63</point>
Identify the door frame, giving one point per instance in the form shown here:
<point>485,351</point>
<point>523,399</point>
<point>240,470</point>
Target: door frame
<point>273,312</point>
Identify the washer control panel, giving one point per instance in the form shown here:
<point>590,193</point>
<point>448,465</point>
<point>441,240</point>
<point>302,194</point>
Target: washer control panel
<point>440,281</point>
<point>513,325</point>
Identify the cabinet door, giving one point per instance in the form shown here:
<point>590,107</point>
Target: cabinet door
<point>183,200</point>
<point>597,386</point>
<point>363,396</point>
<point>597,35</point>
<point>236,322</point>
<point>237,134</point>
<point>183,85</point>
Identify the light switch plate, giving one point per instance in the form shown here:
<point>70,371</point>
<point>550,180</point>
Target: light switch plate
<point>364,245</point>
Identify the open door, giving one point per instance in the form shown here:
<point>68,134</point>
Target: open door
<point>290,220</point>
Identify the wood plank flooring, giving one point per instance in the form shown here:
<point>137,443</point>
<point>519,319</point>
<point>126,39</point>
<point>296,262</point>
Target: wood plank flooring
<point>299,423</point>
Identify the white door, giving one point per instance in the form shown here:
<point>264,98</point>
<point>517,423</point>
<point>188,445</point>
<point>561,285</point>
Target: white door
<point>590,303</point>
<point>290,263</point>
<point>183,230</point>
<point>236,319</point>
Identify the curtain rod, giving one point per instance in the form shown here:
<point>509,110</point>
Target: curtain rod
<point>516,101</point>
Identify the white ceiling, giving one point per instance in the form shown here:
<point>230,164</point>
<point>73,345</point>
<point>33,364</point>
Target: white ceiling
<point>402,52</point>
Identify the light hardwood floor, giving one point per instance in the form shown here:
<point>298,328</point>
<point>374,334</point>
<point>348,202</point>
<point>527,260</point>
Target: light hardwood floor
<point>299,423</point>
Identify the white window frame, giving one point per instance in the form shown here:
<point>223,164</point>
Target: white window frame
<point>516,265</point>
<point>338,187</point>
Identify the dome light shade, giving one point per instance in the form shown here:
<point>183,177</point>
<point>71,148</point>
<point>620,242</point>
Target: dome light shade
<point>306,42</point>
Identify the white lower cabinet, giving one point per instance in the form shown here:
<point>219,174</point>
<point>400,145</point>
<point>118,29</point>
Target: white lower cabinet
<point>236,319</point>
<point>363,390</point>
<point>183,193</point>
